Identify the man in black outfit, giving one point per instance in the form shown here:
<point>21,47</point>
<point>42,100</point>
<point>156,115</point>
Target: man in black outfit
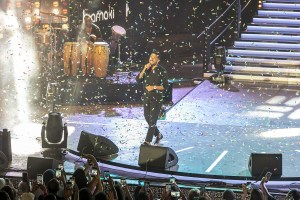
<point>89,34</point>
<point>155,81</point>
<point>89,31</point>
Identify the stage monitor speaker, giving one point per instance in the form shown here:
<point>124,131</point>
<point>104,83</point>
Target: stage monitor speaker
<point>96,145</point>
<point>37,165</point>
<point>260,163</point>
<point>157,157</point>
<point>5,144</point>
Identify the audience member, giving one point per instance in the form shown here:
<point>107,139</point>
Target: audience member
<point>265,192</point>
<point>9,191</point>
<point>173,192</point>
<point>93,189</point>
<point>293,195</point>
<point>23,187</point>
<point>228,195</point>
<point>101,196</point>
<point>27,196</point>
<point>48,175</point>
<point>4,195</point>
<point>136,192</point>
<point>193,194</point>
<point>53,188</point>
<point>85,194</point>
<point>119,191</point>
<point>50,197</point>
<point>2,183</point>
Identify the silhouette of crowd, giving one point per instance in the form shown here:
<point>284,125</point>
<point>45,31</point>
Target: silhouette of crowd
<point>87,183</point>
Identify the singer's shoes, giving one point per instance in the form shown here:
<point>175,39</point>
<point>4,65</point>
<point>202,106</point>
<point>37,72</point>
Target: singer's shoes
<point>158,138</point>
<point>146,143</point>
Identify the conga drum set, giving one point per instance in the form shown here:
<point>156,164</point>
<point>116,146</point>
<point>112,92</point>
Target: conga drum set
<point>92,57</point>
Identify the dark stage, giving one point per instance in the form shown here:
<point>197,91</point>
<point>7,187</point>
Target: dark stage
<point>118,88</point>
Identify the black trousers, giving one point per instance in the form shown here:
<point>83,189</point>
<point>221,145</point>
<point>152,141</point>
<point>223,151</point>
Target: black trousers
<point>152,104</point>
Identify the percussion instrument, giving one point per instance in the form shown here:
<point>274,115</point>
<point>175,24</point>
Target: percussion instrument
<point>86,57</point>
<point>100,59</point>
<point>117,32</point>
<point>71,58</point>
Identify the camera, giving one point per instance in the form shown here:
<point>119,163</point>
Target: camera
<point>60,166</point>
<point>248,185</point>
<point>141,183</point>
<point>172,180</point>
<point>90,162</point>
<point>69,185</point>
<point>106,175</point>
<point>57,173</point>
<point>39,179</point>
<point>123,181</point>
<point>72,180</point>
<point>94,171</point>
<point>202,190</point>
<point>168,187</point>
<point>146,185</point>
<point>25,177</point>
<point>268,176</point>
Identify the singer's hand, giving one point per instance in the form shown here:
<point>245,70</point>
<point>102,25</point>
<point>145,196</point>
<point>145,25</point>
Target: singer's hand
<point>147,66</point>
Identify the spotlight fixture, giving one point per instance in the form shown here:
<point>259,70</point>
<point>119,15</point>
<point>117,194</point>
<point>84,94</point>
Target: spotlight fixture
<point>37,4</point>
<point>55,11</point>
<point>28,20</point>
<point>259,4</point>
<point>55,4</point>
<point>54,136</point>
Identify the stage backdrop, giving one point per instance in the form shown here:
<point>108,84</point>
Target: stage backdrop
<point>169,26</point>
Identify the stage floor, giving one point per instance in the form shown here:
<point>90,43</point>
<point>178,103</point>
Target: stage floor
<point>212,129</point>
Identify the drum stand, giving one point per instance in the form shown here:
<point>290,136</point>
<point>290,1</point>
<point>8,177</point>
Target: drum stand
<point>119,62</point>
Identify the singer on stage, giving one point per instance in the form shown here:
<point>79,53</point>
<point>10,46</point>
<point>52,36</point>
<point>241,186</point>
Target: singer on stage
<point>155,81</point>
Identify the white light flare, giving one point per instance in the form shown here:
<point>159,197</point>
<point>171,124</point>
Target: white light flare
<point>281,133</point>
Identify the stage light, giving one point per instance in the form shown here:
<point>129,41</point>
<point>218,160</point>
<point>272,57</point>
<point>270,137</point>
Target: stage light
<point>55,4</point>
<point>27,12</point>
<point>28,20</point>
<point>260,4</point>
<point>18,4</point>
<point>65,27</point>
<point>28,4</point>
<point>64,20</point>
<point>36,11</point>
<point>54,135</point>
<point>55,11</point>
<point>65,11</point>
<point>65,4</point>
<point>37,4</point>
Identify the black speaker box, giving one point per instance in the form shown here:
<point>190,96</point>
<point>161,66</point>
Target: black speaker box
<point>157,157</point>
<point>260,163</point>
<point>37,165</point>
<point>5,144</point>
<point>96,145</point>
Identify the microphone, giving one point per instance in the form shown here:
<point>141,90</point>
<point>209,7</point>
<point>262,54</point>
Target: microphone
<point>149,64</point>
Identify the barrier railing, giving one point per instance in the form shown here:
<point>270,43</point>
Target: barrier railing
<point>212,35</point>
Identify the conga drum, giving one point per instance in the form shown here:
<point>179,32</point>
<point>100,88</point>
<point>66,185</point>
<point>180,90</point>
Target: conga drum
<point>71,58</point>
<point>100,59</point>
<point>86,57</point>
